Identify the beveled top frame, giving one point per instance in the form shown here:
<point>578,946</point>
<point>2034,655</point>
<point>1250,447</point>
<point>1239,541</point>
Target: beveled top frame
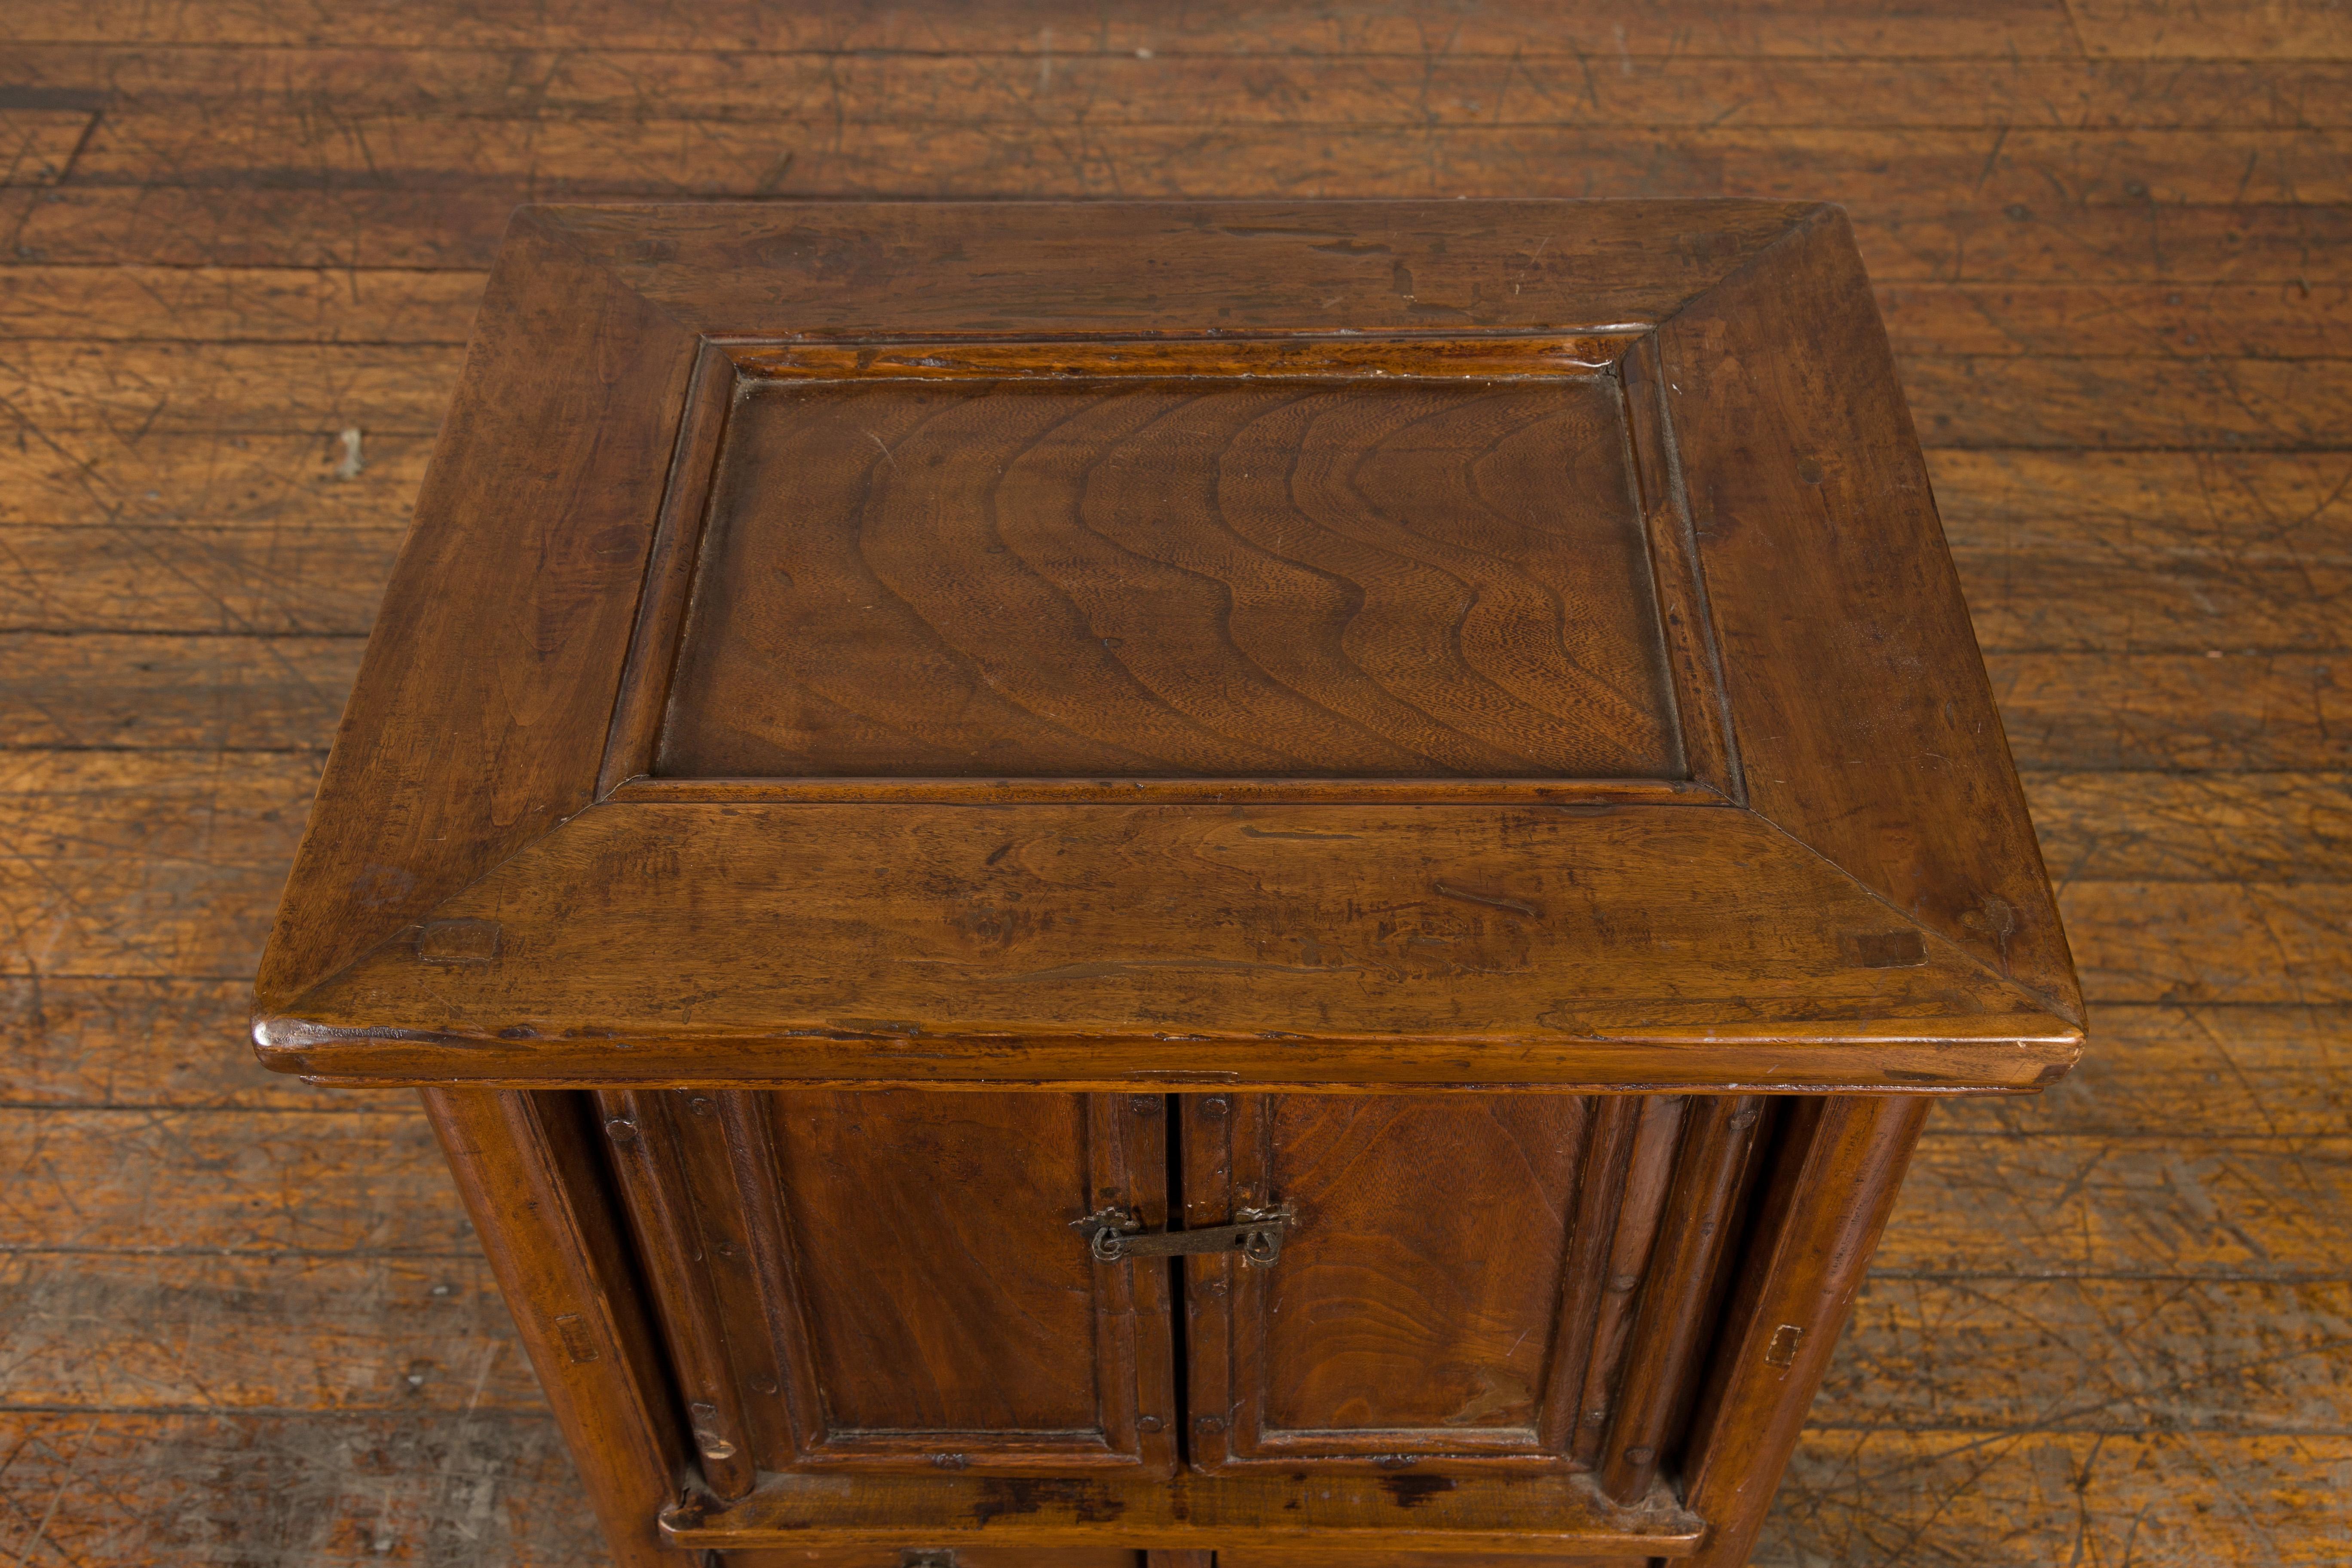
<point>1842,893</point>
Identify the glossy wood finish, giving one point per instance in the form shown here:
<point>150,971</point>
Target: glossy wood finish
<point>1069,716</point>
<point>931,1306</point>
<point>1082,569</point>
<point>1704,1215</point>
<point>1279,570</point>
<point>678,1253</point>
<point>1435,1294</point>
<point>1152,946</point>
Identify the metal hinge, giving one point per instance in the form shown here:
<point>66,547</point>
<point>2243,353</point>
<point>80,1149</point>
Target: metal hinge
<point>1113,1237</point>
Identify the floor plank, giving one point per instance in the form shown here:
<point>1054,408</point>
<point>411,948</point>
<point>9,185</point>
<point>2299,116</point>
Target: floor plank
<point>2131,1205</point>
<point>2035,236</point>
<point>2217,710</point>
<point>285,485</point>
<point>2204,942</point>
<point>445,1490</point>
<point>2101,320</point>
<point>260,580</point>
<point>1298,89</point>
<point>37,145</point>
<point>142,692</point>
<point>294,1334</point>
<point>2196,29</point>
<point>2225,1070</point>
<point>147,1043</point>
<point>146,863</point>
<point>2030,1500</point>
<point>215,304</point>
<point>654,157</point>
<point>230,1181</point>
<point>1775,28</point>
<point>2194,827</point>
<point>1973,1353</point>
<point>229,388</point>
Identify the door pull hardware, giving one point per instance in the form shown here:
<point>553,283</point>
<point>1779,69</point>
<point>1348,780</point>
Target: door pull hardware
<point>1113,1237</point>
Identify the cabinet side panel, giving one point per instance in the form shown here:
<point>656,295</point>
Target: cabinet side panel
<point>529,1181</point>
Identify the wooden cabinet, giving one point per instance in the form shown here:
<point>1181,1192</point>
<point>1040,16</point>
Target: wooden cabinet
<point>1270,883</point>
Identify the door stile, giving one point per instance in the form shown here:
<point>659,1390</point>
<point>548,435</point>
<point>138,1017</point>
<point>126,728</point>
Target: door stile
<point>746,1116</point>
<point>1662,1366</point>
<point>1126,1156</point>
<point>644,1148</point>
<point>1648,1172</point>
<point>1614,1123</point>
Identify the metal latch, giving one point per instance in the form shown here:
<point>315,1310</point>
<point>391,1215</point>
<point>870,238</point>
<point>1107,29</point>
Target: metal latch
<point>1113,1235</point>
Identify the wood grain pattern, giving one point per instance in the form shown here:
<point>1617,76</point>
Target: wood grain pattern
<point>526,764</point>
<point>933,1305</point>
<point>658,157</point>
<point>2193,712</point>
<point>1402,1325</point>
<point>2037,1498</point>
<point>789,978</point>
<point>1083,86</point>
<point>144,863</point>
<point>2086,552</point>
<point>288,1490</point>
<point>2279,243</point>
<point>209,304</point>
<point>130,691</point>
<point>262,389</point>
<point>37,145</point>
<point>144,1180</point>
<point>2182,1354</point>
<point>1092,579</point>
<point>2181,29</point>
<point>2148,1202</point>
<point>1835,780</point>
<point>2007,28</point>
<point>97,1330</point>
<point>2217,827</point>
<point>290,485</point>
<point>223,581</point>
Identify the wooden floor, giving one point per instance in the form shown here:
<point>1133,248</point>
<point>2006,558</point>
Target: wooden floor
<point>240,241</point>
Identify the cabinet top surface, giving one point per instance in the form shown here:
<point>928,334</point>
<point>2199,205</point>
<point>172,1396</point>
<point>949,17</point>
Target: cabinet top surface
<point>1363,645</point>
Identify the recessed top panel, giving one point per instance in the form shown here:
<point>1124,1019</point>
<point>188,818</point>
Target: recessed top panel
<point>1206,576</point>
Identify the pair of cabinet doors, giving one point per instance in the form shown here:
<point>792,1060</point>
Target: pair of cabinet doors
<point>894,1279</point>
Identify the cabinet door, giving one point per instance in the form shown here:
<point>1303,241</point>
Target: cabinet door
<point>1453,1263</point>
<point>889,1280</point>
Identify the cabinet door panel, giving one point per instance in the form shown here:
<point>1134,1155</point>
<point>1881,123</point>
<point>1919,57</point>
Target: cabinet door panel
<point>1437,1295</point>
<point>900,1284</point>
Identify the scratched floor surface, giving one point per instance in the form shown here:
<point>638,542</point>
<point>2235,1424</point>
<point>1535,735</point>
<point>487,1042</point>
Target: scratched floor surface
<point>243,1323</point>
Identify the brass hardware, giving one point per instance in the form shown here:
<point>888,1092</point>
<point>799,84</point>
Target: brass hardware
<point>1113,1237</point>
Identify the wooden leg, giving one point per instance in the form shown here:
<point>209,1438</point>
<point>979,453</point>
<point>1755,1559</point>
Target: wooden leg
<point>528,1177</point>
<point>1834,1185</point>
<point>1180,1559</point>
